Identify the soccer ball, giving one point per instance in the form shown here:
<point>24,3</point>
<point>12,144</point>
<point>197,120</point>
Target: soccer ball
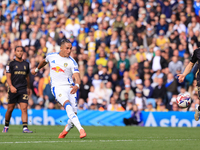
<point>183,100</point>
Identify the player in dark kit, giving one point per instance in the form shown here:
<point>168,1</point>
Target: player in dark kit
<point>17,73</point>
<point>195,58</point>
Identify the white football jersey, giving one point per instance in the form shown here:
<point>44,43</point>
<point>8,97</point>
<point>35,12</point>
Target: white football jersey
<point>61,69</point>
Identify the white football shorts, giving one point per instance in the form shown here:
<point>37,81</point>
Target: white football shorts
<point>62,93</point>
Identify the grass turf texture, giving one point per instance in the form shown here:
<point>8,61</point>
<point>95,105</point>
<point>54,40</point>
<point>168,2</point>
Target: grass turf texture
<point>106,138</point>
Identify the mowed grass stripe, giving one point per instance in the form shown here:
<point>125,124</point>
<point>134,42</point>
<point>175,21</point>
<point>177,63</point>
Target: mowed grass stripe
<point>106,138</point>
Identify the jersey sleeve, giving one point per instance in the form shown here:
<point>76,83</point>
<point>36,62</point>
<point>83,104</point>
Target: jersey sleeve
<point>74,67</point>
<point>8,67</point>
<point>28,69</point>
<point>194,57</point>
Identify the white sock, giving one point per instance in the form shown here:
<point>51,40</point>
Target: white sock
<point>69,126</point>
<point>73,117</point>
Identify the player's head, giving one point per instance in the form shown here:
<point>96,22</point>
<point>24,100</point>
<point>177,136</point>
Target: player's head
<point>19,51</point>
<point>66,47</point>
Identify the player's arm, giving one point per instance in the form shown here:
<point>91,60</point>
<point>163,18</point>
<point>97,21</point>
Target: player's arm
<point>189,67</point>
<point>77,83</point>
<point>186,71</point>
<point>12,88</point>
<point>41,64</point>
<point>8,76</point>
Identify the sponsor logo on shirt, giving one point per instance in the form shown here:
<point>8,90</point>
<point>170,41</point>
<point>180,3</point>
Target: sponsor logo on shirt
<point>57,69</point>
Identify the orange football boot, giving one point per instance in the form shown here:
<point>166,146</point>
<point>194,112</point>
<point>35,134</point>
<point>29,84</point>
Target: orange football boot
<point>63,133</point>
<point>82,133</point>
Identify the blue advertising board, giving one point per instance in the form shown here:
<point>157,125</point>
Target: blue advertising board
<point>103,118</point>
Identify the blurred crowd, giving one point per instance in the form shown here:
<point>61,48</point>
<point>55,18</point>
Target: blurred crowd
<point>129,52</point>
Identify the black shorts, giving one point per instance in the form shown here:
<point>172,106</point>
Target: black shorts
<point>19,97</point>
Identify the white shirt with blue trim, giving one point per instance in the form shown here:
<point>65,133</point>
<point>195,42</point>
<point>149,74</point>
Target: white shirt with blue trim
<point>61,69</point>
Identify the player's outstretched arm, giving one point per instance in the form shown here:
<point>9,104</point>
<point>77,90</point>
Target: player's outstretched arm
<point>77,83</point>
<point>186,71</point>
<point>41,64</point>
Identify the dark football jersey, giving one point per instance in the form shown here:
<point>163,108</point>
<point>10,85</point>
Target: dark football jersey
<point>19,72</point>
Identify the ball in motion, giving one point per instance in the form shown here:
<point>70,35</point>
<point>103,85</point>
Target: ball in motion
<point>183,100</point>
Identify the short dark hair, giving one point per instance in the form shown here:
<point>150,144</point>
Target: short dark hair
<point>63,41</point>
<point>18,47</point>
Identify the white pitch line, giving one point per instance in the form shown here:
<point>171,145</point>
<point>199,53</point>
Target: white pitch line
<point>82,141</point>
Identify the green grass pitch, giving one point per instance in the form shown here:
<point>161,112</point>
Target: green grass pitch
<point>101,138</point>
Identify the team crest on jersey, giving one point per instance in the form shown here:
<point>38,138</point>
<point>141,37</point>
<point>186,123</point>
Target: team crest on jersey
<point>24,67</point>
<point>60,95</point>
<point>65,64</point>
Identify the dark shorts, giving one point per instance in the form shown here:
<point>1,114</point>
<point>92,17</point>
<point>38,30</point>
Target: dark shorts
<point>19,97</point>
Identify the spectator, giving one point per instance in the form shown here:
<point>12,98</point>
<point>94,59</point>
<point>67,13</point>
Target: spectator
<point>73,27</point>
<point>162,25</point>
<point>193,89</point>
<point>163,108</point>
<point>102,60</point>
<point>197,7</point>
<point>147,90</point>
<point>174,65</point>
<point>140,55</point>
<point>161,40</point>
<point>124,102</point>
<point>150,108</point>
<point>90,74</point>
<point>84,88</point>
<point>3,57</point>
<point>139,100</point>
<point>135,119</point>
<point>175,107</point>
<point>82,105</point>
<point>11,10</point>
<point>38,5</point>
<point>171,86</point>
<point>121,70</point>
<point>95,105</point>
<point>166,9</point>
<point>158,62</point>
<point>34,42</point>
<point>133,71</point>
<point>131,57</point>
<point>24,40</point>
<point>101,93</point>
<point>194,25</point>
<point>180,27</point>
<point>159,90</point>
<point>113,106</point>
<point>128,90</point>
<point>123,60</point>
<point>96,81</point>
<point>111,67</point>
<point>91,95</point>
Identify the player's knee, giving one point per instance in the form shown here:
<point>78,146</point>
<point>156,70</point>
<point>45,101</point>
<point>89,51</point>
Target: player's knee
<point>66,103</point>
<point>10,109</point>
<point>24,110</point>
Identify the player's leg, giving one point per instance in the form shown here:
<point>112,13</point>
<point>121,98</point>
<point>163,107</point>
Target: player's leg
<point>63,97</point>
<point>8,116</point>
<point>197,107</point>
<point>66,130</point>
<point>73,117</point>
<point>23,102</point>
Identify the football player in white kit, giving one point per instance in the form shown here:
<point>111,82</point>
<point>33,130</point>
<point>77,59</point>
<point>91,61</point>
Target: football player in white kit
<point>62,67</point>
